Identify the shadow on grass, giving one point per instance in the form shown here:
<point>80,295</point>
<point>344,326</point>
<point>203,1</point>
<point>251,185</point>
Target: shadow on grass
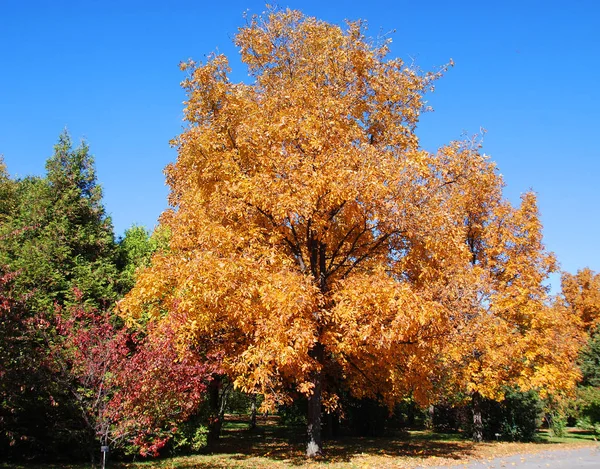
<point>274,445</point>
<point>287,445</point>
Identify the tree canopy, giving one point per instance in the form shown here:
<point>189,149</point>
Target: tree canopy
<point>318,247</point>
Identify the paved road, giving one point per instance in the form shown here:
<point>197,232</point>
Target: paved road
<point>583,458</point>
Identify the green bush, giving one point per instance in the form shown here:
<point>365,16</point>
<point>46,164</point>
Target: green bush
<point>366,417</point>
<point>557,423</point>
<point>521,415</point>
<point>295,413</point>
<point>588,408</point>
<point>589,360</point>
<point>408,414</point>
<point>447,418</point>
<point>240,402</point>
<point>491,418</point>
<point>516,418</point>
<point>191,436</point>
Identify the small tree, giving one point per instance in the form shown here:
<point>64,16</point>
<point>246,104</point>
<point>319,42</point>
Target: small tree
<point>581,293</point>
<point>88,354</point>
<point>160,386</point>
<point>589,360</point>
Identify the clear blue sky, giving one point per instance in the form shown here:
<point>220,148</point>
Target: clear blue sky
<point>527,71</point>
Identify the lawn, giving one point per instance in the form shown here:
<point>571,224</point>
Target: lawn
<point>275,446</point>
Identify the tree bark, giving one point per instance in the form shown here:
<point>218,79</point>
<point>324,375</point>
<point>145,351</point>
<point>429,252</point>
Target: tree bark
<point>215,420</point>
<point>477,419</point>
<point>318,263</point>
<point>430,417</point>
<point>253,413</point>
<point>314,446</point>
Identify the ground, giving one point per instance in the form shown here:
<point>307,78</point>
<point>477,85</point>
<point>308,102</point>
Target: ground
<point>279,447</point>
<point>581,458</point>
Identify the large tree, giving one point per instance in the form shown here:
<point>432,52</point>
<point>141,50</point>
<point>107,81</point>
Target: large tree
<point>313,242</point>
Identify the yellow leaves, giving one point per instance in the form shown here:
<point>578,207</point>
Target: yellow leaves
<point>305,214</point>
<point>306,388</point>
<point>581,293</point>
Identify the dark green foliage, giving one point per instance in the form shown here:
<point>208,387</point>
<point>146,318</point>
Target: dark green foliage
<point>446,418</point>
<point>37,418</point>
<point>587,408</point>
<point>408,414</point>
<point>295,413</point>
<point>57,239</point>
<point>192,435</point>
<point>521,414</point>
<point>516,418</point>
<point>61,347</point>
<point>589,360</point>
<point>56,234</point>
<point>366,417</point>
<point>240,402</point>
<point>8,189</point>
<point>557,423</point>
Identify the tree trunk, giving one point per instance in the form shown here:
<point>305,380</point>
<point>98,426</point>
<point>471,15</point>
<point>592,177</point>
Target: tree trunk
<point>477,420</point>
<point>314,446</point>
<point>430,416</point>
<point>318,262</point>
<point>215,420</point>
<point>253,413</point>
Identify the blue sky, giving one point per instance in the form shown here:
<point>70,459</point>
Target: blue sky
<point>528,72</point>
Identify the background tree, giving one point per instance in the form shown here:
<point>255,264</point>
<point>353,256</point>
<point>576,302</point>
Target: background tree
<point>581,300</point>
<point>134,252</point>
<point>581,293</point>
<point>8,189</point>
<point>589,361</point>
<point>511,338</point>
<point>55,235</point>
<point>58,236</point>
<point>36,418</point>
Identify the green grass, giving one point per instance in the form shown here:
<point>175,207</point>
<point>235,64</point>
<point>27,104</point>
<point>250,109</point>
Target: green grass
<point>574,435</point>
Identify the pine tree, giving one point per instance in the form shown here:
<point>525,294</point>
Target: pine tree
<point>57,235</point>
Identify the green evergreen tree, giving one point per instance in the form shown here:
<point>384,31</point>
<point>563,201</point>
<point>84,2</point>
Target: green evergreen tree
<point>589,360</point>
<point>7,192</point>
<point>58,236</point>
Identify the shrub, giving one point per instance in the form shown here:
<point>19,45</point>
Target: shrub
<point>521,415</point>
<point>588,407</point>
<point>191,436</point>
<point>557,423</point>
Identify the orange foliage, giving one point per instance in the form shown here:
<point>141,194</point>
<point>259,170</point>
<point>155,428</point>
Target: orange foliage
<point>582,295</point>
<point>511,335</point>
<point>317,245</point>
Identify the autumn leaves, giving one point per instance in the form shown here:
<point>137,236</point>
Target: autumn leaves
<point>320,249</point>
